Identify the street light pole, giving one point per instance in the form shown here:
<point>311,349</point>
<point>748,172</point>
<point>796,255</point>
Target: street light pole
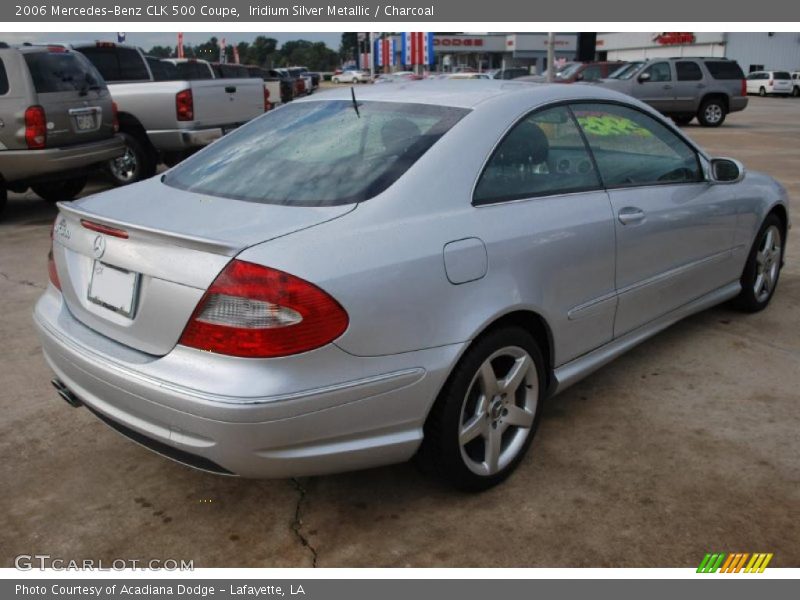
<point>371,58</point>
<point>551,56</point>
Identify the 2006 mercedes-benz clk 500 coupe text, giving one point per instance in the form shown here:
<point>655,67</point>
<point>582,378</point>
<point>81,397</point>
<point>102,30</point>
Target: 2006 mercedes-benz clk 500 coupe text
<point>348,282</point>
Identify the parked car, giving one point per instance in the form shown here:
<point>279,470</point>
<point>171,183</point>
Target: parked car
<point>352,76</point>
<point>325,300</point>
<point>287,84</point>
<point>586,71</point>
<point>467,76</point>
<point>190,69</point>
<point>315,77</point>
<point>796,83</point>
<point>300,73</point>
<point>511,73</point>
<point>685,88</point>
<point>57,122</point>
<point>770,83</point>
<point>167,120</point>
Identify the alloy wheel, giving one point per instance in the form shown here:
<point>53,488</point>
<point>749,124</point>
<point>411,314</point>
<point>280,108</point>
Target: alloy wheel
<point>713,113</point>
<point>768,263</point>
<point>498,411</point>
<point>124,168</point>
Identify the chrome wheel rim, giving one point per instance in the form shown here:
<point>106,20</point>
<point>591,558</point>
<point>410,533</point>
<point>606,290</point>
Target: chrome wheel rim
<point>768,263</point>
<point>124,167</point>
<point>498,411</point>
<point>713,113</point>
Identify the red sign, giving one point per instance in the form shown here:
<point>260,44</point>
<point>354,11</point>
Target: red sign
<point>674,38</point>
<point>458,42</point>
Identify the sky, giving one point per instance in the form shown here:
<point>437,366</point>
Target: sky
<point>148,39</point>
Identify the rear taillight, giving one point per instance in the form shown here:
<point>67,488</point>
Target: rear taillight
<point>184,105</point>
<point>35,128</point>
<point>257,312</point>
<point>115,116</point>
<point>51,262</point>
<point>743,91</point>
<point>267,103</point>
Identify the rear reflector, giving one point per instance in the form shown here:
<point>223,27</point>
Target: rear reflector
<point>106,229</point>
<point>257,312</point>
<point>51,262</point>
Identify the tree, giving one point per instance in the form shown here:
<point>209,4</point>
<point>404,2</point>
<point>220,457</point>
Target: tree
<point>161,51</point>
<point>261,51</point>
<point>348,48</point>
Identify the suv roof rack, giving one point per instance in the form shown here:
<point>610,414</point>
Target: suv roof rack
<point>700,57</point>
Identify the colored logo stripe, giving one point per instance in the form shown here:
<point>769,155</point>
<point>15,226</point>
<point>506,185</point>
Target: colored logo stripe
<point>734,562</point>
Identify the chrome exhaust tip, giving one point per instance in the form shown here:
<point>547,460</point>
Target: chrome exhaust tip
<point>66,394</point>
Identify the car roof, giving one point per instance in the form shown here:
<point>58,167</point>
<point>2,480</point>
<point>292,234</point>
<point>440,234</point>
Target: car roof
<point>469,93</point>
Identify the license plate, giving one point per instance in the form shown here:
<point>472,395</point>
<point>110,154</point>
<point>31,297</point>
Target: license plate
<point>114,288</point>
<point>85,122</point>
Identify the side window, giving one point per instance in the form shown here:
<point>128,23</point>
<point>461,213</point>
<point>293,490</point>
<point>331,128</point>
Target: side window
<point>131,65</point>
<point>3,79</point>
<point>104,60</point>
<point>688,71</point>
<point>592,73</point>
<point>632,148</point>
<point>659,72</point>
<point>542,154</point>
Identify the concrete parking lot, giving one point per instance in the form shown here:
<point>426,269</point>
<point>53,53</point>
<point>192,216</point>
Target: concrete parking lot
<point>688,444</point>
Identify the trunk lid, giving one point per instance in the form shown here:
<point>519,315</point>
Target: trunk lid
<point>141,289</point>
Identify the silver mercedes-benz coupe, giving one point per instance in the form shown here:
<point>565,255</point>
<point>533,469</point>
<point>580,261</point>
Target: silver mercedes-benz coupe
<point>363,277</point>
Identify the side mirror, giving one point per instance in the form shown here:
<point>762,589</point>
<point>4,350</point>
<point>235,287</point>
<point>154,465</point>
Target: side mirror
<point>644,77</point>
<point>726,170</point>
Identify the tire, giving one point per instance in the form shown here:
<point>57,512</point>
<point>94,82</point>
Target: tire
<point>762,91</point>
<point>712,113</point>
<point>763,268</point>
<point>335,80</point>
<point>3,199</point>
<point>795,91</point>
<point>138,162</point>
<point>55,191</point>
<point>506,422</point>
<point>682,119</point>
<point>355,80</point>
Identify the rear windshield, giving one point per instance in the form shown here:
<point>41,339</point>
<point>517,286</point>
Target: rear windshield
<point>62,72</point>
<point>782,75</point>
<point>316,153</point>
<point>193,71</point>
<point>724,69</point>
<point>162,70</point>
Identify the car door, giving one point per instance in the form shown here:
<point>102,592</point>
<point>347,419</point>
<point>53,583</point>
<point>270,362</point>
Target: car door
<point>655,86</point>
<point>674,230</point>
<point>689,86</point>
<point>548,228</point>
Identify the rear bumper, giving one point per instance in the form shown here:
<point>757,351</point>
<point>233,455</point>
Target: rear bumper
<point>24,165</point>
<point>353,422</point>
<point>171,140</point>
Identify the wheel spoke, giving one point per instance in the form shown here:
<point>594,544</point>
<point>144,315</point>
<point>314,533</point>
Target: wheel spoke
<point>493,447</point>
<point>759,284</point>
<point>515,376</point>
<point>768,240</point>
<point>762,256</point>
<point>473,428</point>
<point>488,380</point>
<point>518,417</point>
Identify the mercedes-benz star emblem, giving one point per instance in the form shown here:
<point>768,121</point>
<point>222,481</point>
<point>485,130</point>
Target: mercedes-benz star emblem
<point>99,246</point>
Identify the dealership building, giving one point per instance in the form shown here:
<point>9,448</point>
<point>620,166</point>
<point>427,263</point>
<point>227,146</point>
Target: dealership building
<point>484,51</point>
<point>753,51</point>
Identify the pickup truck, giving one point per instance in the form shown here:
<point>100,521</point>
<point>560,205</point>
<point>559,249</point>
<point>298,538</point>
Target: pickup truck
<point>166,120</point>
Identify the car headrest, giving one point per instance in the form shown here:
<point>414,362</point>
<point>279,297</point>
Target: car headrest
<point>398,134</point>
<point>526,144</point>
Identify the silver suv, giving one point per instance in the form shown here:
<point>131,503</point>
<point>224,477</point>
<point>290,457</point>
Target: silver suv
<point>56,122</point>
<point>685,88</point>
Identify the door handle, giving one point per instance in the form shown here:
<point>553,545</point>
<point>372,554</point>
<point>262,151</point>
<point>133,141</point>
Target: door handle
<point>667,87</point>
<point>630,215</point>
<point>231,89</point>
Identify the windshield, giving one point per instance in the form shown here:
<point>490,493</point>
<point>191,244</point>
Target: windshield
<point>320,153</point>
<point>626,71</point>
<point>568,71</point>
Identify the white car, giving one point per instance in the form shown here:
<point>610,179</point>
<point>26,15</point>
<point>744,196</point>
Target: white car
<point>351,77</point>
<point>468,76</point>
<point>766,83</point>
